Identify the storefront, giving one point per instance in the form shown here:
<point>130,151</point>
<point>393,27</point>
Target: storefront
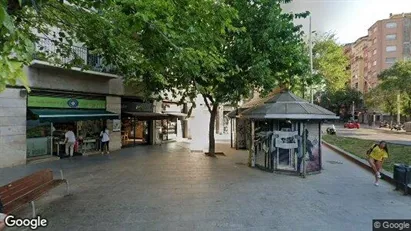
<point>138,122</point>
<point>50,116</point>
<point>173,126</point>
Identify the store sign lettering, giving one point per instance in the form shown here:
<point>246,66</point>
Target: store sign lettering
<point>137,107</point>
<point>57,102</point>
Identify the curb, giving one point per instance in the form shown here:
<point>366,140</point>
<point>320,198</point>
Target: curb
<point>385,175</point>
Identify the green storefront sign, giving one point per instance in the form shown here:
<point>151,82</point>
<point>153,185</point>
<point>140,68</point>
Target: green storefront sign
<point>57,102</point>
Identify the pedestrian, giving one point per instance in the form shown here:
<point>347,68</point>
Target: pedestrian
<point>70,141</point>
<point>376,156</point>
<point>105,139</point>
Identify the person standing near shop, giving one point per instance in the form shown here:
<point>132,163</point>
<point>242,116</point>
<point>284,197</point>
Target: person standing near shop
<point>105,139</point>
<point>70,141</point>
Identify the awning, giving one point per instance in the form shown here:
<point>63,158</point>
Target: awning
<point>147,115</point>
<point>176,114</point>
<point>70,115</point>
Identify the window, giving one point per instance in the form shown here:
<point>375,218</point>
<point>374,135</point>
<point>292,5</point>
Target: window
<point>374,63</point>
<point>356,85</point>
<point>391,48</point>
<point>391,25</point>
<point>390,60</point>
<point>391,36</point>
<point>374,52</point>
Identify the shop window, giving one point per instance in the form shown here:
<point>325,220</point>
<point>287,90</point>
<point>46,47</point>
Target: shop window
<point>38,138</point>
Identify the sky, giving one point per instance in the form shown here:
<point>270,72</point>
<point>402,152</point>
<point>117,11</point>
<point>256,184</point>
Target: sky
<point>348,19</point>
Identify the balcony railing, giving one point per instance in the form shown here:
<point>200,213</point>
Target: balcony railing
<point>59,53</point>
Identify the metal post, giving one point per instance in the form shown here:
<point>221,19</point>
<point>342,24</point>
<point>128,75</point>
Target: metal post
<point>51,139</point>
<point>399,108</point>
<point>353,110</point>
<point>311,62</point>
<point>134,131</point>
<point>252,153</point>
<point>304,151</point>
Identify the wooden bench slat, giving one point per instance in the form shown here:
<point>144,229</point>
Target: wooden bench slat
<point>18,192</point>
<point>31,196</point>
<point>13,189</point>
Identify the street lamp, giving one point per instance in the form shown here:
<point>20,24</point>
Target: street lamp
<point>311,60</point>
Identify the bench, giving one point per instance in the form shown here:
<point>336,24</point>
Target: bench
<point>26,190</point>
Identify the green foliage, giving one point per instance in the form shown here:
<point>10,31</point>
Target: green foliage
<point>335,100</point>
<point>24,21</point>
<point>395,80</point>
<point>330,63</point>
<point>397,153</point>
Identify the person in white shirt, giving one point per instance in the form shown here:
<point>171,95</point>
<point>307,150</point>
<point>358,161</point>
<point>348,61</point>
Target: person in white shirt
<point>105,139</point>
<point>70,141</point>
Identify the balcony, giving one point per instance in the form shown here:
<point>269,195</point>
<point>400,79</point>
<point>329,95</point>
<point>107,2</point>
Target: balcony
<point>48,55</point>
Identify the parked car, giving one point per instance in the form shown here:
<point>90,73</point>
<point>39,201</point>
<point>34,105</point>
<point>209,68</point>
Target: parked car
<point>352,124</point>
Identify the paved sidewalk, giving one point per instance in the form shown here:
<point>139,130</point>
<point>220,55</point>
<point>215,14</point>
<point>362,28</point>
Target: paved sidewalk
<point>167,188</point>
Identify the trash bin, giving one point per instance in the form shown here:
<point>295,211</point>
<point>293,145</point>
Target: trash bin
<point>402,176</point>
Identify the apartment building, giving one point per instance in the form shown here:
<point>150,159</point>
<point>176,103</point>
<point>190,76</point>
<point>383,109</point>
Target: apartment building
<point>359,64</point>
<point>389,42</point>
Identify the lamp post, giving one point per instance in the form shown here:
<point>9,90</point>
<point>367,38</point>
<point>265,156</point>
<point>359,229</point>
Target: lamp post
<point>311,61</point>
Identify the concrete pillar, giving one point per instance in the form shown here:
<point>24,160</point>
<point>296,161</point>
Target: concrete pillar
<point>113,104</point>
<point>156,125</point>
<point>13,118</point>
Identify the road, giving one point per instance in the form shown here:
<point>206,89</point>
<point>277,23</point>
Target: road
<point>373,134</point>
<point>168,188</point>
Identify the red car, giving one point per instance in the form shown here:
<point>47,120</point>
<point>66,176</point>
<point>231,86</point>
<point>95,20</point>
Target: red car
<point>352,124</point>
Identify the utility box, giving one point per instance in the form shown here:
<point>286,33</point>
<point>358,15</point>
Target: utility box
<point>407,127</point>
<point>402,177</point>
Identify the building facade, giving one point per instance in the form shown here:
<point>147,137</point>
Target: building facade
<point>389,42</point>
<point>32,124</point>
<point>358,64</point>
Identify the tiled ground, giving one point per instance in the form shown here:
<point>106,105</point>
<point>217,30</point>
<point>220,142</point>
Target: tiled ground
<point>167,188</point>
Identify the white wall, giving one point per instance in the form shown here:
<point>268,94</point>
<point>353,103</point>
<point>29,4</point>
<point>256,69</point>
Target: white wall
<point>12,128</point>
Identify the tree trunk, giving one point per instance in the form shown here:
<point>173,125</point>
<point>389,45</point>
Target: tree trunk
<point>211,138</point>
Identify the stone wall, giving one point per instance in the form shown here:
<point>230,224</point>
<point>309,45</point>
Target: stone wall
<point>12,128</point>
<point>68,80</point>
<point>113,104</point>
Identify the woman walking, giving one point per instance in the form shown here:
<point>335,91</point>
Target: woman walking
<point>376,156</point>
<point>105,139</point>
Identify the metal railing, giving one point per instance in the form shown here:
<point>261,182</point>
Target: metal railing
<point>57,52</point>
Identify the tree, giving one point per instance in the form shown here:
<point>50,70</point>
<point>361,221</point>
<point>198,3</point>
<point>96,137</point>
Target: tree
<point>250,45</point>
<point>23,21</point>
<point>381,99</point>
<point>330,62</point>
<point>395,84</point>
<point>340,99</point>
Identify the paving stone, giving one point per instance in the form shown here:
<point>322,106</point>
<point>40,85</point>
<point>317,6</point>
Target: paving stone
<point>167,188</point>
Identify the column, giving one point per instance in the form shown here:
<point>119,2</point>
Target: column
<point>113,104</point>
<point>12,128</point>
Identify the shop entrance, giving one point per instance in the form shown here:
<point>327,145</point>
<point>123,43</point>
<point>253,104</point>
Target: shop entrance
<point>49,117</point>
<point>135,132</point>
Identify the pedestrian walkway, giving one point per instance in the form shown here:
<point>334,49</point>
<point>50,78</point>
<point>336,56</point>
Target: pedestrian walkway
<point>168,188</point>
